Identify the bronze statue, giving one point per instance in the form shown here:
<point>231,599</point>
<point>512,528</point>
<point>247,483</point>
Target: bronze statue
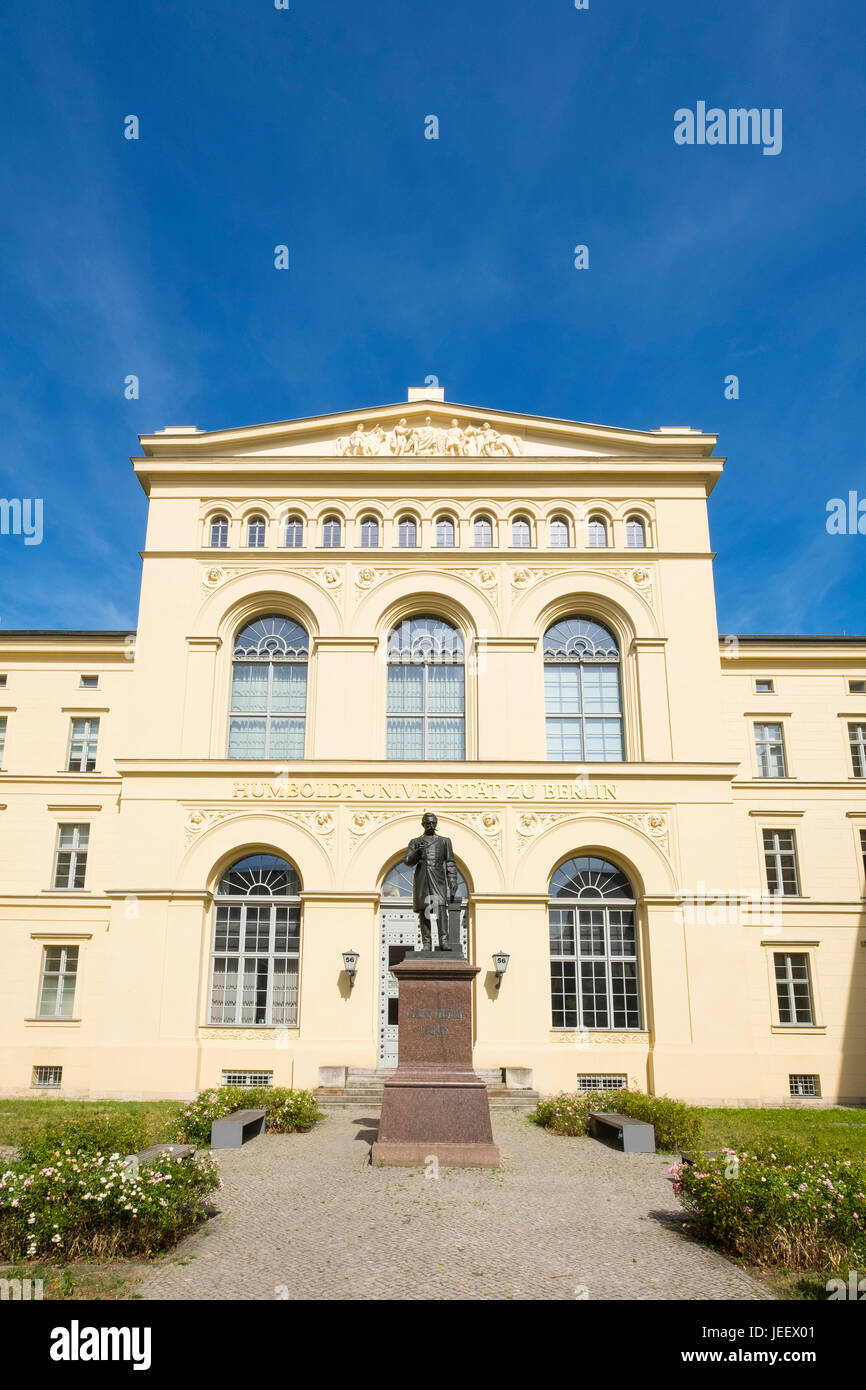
<point>434,885</point>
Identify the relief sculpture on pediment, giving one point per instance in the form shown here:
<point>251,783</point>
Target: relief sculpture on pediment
<point>474,441</point>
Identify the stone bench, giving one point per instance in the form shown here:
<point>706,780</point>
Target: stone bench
<point>133,1162</point>
<point>635,1136</point>
<point>233,1131</point>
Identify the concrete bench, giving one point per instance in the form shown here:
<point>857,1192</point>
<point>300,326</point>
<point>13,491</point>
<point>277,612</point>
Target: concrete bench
<point>133,1162</point>
<point>233,1131</point>
<point>635,1136</point>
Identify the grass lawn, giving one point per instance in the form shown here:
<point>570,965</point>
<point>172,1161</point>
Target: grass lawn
<point>76,1282</point>
<point>19,1118</point>
<point>816,1131</point>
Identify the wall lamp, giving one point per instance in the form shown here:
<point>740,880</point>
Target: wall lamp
<point>500,965</point>
<point>350,965</point>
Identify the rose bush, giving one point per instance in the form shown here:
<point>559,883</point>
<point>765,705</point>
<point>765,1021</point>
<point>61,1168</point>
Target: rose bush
<point>287,1110</point>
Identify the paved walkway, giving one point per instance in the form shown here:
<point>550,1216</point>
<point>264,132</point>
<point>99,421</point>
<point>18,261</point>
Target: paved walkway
<point>305,1216</point>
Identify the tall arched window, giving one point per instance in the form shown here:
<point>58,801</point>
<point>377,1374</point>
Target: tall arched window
<point>332,532</point>
<point>269,690</point>
<point>425,720</point>
<point>596,533</point>
<point>407,531</point>
<point>369,533</point>
<point>559,533</point>
<point>219,531</point>
<point>295,532</point>
<point>256,531</point>
<point>521,535</point>
<point>593,947</point>
<point>257,932</point>
<point>635,533</point>
<point>483,531</point>
<point>445,531</point>
<point>582,699</point>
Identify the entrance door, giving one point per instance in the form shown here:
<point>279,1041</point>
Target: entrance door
<point>399,933</point>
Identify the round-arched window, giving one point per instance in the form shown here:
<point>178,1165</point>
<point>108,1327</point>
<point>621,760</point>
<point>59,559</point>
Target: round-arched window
<point>596,531</point>
<point>582,697</point>
<point>397,885</point>
<point>370,532</point>
<point>426,695</point>
<point>559,533</point>
<point>256,944</point>
<point>269,690</point>
<point>635,533</point>
<point>407,531</point>
<point>521,534</point>
<point>445,531</point>
<point>593,947</point>
<point>256,532</point>
<point>219,532</point>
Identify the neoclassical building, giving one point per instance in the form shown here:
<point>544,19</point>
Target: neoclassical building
<point>348,620</point>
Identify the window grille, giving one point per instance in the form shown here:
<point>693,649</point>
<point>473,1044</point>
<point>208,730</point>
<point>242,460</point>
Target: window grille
<point>47,1078</point>
<point>599,1082</point>
<point>804,1084</point>
<point>248,1079</point>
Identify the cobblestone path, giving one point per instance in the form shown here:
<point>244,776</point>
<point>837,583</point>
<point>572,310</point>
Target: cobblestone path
<point>305,1216</point>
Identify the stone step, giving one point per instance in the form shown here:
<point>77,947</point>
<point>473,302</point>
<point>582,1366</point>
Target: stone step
<point>499,1098</point>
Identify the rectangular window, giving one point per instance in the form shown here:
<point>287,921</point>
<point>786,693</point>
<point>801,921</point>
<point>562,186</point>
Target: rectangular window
<point>584,713</point>
<point>794,988</point>
<point>597,1082</point>
<point>3,679</point>
<point>2,738</point>
<point>57,986</point>
<point>255,967</point>
<point>248,1078</point>
<point>764,687</point>
<point>857,687</point>
<point>70,862</point>
<point>863,849</point>
<point>89,682</point>
<point>593,968</point>
<point>770,750</point>
<point>425,719</point>
<point>83,738</point>
<point>268,704</point>
<point>780,856</point>
<point>804,1085</point>
<point>857,738</point>
<point>47,1078</point>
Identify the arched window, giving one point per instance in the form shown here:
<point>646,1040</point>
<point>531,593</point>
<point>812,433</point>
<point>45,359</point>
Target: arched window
<point>597,532</point>
<point>521,535</point>
<point>582,698</point>
<point>295,532</point>
<point>256,530</point>
<point>635,533</point>
<point>483,531</point>
<point>593,947</point>
<point>257,932</point>
<point>269,690</point>
<point>332,532</point>
<point>445,531</point>
<point>219,532</point>
<point>425,720</point>
<point>369,533</point>
<point>397,884</point>
<point>559,533</point>
<point>407,531</point>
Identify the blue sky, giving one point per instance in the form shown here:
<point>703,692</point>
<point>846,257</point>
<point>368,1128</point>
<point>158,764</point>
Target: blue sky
<point>412,256</point>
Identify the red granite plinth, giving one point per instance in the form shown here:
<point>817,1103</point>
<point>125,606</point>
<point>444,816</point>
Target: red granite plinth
<point>434,1105</point>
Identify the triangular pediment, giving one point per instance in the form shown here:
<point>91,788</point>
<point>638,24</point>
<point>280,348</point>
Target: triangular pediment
<point>428,428</point>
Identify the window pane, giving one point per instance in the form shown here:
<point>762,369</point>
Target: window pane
<point>405,739</point>
<point>562,689</point>
<point>405,689</point>
<point>286,739</point>
<point>445,738</point>
<point>563,989</point>
<point>249,688</point>
<point>445,689</point>
<point>603,741</point>
<point>564,740</point>
<point>601,689</point>
<point>593,994</point>
<point>289,692</point>
<point>247,738</point>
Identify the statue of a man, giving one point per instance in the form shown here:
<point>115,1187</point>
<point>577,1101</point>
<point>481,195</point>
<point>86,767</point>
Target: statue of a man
<point>435,882</point>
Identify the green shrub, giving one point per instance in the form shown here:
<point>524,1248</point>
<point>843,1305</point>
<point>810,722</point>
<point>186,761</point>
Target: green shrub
<point>87,1205</point>
<point>123,1134</point>
<point>776,1208</point>
<point>677,1126</point>
<point>287,1110</point>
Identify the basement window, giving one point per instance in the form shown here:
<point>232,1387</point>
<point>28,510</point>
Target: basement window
<point>248,1079</point>
<point>593,1081</point>
<point>47,1078</point>
<point>804,1085</point>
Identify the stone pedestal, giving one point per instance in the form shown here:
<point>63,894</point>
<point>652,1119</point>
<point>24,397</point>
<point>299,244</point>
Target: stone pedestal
<point>434,1105</point>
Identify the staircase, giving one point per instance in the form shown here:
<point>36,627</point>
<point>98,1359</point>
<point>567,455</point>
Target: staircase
<point>363,1091</point>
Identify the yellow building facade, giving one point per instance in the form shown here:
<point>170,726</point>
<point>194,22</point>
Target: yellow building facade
<point>349,620</point>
